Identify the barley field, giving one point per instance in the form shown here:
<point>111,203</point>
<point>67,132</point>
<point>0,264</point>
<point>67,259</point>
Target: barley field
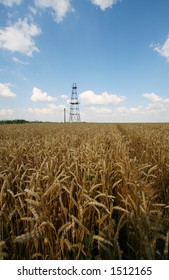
<point>84,191</point>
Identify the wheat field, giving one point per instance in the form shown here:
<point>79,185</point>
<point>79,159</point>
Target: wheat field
<point>84,191</point>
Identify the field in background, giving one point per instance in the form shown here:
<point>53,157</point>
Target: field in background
<point>84,191</point>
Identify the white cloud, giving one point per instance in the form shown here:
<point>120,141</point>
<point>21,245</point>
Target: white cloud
<point>154,98</point>
<point>90,98</point>
<point>17,60</point>
<point>54,107</point>
<point>64,96</point>
<point>50,109</point>
<point>104,4</point>
<point>9,3</point>
<point>39,111</point>
<point>19,37</point>
<point>157,103</point>
<point>6,112</point>
<point>5,91</point>
<point>101,110</point>
<point>38,95</point>
<point>68,101</point>
<point>156,106</point>
<point>59,7</point>
<point>32,10</point>
<point>155,110</point>
<point>132,110</point>
<point>163,50</point>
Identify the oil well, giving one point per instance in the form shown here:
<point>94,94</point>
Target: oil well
<point>74,115</point>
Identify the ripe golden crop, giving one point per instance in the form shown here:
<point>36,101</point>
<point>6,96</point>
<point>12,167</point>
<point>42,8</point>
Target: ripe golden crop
<point>84,191</point>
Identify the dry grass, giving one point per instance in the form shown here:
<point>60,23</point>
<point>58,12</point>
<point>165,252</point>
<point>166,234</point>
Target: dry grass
<point>84,191</point>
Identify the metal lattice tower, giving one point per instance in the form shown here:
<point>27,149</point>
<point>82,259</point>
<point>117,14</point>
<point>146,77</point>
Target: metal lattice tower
<point>74,105</point>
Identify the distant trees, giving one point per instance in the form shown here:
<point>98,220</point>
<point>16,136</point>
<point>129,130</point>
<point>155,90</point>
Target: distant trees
<point>18,121</point>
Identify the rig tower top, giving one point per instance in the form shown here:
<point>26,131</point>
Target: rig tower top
<point>74,105</point>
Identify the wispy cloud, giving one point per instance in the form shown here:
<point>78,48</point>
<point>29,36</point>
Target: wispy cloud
<point>157,104</point>
<point>49,109</point>
<point>100,110</point>
<point>104,4</point>
<point>105,98</point>
<point>153,97</point>
<point>64,96</point>
<point>9,3</point>
<point>6,112</point>
<point>163,50</point>
<point>5,91</point>
<point>19,37</point>
<point>54,107</point>
<point>39,95</point>
<point>17,60</point>
<point>129,110</point>
<point>33,10</point>
<point>59,8</point>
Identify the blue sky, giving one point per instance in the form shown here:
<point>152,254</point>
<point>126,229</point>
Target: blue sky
<point>116,51</point>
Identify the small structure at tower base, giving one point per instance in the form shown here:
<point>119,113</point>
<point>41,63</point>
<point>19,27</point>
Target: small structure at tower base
<point>64,115</point>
